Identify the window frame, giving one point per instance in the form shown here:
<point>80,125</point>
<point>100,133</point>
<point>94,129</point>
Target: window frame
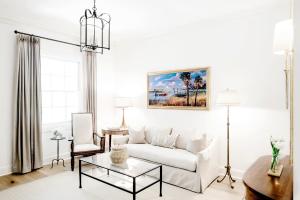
<point>51,125</point>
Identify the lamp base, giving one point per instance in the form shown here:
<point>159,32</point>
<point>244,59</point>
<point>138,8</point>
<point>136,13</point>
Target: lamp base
<point>123,125</point>
<point>231,180</point>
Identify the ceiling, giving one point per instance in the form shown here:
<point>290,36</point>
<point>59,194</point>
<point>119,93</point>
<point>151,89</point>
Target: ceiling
<point>130,18</point>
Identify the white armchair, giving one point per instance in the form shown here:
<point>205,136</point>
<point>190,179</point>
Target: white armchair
<point>84,140</point>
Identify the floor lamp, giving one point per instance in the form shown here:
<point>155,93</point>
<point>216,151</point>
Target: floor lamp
<point>123,102</point>
<point>283,45</point>
<point>228,98</point>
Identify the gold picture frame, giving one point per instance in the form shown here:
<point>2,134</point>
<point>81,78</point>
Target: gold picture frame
<point>184,89</point>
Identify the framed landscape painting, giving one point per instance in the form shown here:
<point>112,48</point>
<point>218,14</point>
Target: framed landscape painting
<point>180,89</point>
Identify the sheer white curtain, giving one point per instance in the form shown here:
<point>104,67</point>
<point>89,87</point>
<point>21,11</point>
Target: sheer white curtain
<point>89,83</point>
<point>27,138</point>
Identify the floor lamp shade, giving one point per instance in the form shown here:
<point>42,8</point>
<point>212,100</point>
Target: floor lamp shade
<point>228,98</point>
<point>283,37</point>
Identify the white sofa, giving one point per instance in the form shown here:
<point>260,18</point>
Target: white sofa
<point>181,168</point>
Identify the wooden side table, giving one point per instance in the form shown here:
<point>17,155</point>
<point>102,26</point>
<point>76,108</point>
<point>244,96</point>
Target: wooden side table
<point>111,132</point>
<point>259,185</point>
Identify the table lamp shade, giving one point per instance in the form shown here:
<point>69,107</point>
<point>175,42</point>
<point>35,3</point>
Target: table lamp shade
<point>283,37</point>
<point>123,102</point>
<point>228,98</point>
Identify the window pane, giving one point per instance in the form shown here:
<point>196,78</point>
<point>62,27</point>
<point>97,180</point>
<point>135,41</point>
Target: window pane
<point>57,67</point>
<point>59,114</point>
<point>59,99</point>
<point>71,83</point>
<point>46,115</point>
<point>72,99</point>
<point>57,82</point>
<point>46,82</point>
<point>46,99</point>
<point>71,69</point>
<point>60,91</point>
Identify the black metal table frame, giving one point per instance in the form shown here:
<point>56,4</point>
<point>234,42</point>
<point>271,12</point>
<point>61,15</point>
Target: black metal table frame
<point>134,192</point>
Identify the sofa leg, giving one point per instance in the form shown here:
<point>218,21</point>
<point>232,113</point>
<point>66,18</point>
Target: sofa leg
<point>72,163</point>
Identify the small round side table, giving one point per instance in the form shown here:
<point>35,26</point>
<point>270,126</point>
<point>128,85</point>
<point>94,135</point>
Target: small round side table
<point>57,153</point>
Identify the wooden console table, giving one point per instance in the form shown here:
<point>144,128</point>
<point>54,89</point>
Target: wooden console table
<point>259,185</point>
<point>111,132</point>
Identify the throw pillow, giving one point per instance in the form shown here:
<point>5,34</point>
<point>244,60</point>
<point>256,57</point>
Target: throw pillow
<point>185,135</point>
<point>197,145</point>
<point>136,136</point>
<point>167,141</point>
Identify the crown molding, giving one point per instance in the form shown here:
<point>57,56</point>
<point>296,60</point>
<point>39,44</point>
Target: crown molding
<point>21,24</point>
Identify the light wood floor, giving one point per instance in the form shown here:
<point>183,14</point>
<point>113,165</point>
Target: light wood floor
<point>12,180</point>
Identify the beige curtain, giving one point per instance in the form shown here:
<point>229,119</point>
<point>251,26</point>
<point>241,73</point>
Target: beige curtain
<point>27,138</point>
<point>90,85</point>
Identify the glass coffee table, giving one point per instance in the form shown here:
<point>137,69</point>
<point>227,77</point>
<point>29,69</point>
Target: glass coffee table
<point>132,177</point>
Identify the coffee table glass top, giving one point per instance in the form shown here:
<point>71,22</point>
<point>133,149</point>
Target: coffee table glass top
<point>132,168</point>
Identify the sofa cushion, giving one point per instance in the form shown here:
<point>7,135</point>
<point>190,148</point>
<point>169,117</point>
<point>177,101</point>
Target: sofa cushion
<point>150,132</point>
<point>167,141</point>
<point>172,157</point>
<point>185,135</point>
<point>136,136</point>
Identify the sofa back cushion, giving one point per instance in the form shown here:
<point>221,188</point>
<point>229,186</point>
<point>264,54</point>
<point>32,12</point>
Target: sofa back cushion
<point>136,136</point>
<point>150,132</point>
<point>184,136</point>
<point>164,140</point>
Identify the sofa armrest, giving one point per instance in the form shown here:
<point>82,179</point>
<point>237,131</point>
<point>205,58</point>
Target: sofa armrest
<point>119,140</point>
<point>71,140</point>
<point>206,153</point>
<point>208,163</point>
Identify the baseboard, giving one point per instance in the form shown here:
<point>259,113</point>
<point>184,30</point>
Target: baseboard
<point>5,170</point>
<point>236,173</point>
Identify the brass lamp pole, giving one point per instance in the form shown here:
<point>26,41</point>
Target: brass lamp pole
<point>283,45</point>
<point>228,98</point>
<point>123,125</point>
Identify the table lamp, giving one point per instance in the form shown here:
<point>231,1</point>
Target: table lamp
<point>123,102</point>
<point>228,98</point>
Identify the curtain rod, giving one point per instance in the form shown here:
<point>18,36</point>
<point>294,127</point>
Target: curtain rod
<point>54,40</point>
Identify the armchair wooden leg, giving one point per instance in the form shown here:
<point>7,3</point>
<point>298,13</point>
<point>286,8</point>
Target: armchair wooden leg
<point>72,162</point>
<point>102,144</point>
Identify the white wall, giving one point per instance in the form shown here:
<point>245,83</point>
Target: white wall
<point>8,81</point>
<point>239,52</point>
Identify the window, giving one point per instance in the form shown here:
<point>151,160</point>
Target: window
<point>60,90</point>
